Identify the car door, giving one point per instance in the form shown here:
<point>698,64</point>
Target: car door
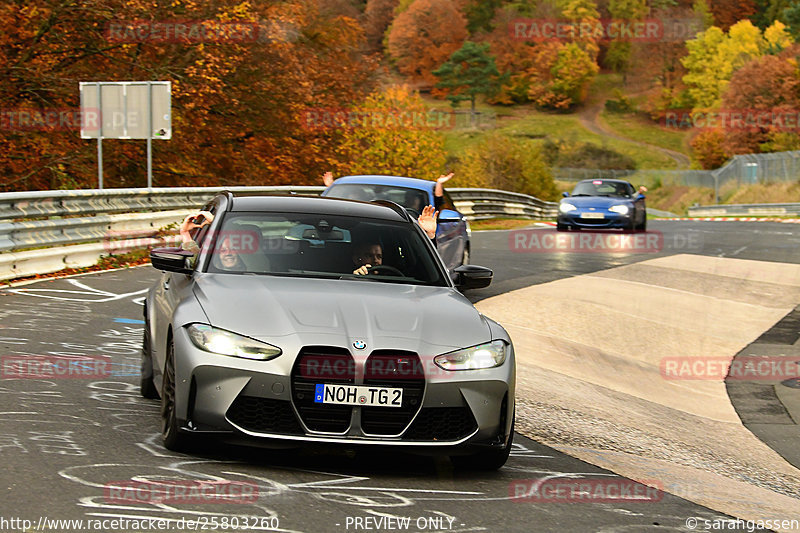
<point>168,292</point>
<point>451,233</point>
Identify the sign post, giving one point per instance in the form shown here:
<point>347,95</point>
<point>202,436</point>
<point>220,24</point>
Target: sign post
<point>126,110</point>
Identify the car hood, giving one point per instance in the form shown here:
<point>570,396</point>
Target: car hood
<point>603,202</point>
<point>337,312</point>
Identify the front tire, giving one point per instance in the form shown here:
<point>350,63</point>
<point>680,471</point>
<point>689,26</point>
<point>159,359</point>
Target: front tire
<point>170,431</point>
<point>561,227</point>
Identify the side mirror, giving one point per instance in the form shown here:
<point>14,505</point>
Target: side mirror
<point>171,260</point>
<point>640,196</point>
<point>565,194</point>
<point>473,277</point>
<point>448,215</point>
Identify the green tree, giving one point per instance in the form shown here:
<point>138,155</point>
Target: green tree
<point>499,162</point>
<point>480,13</point>
<point>791,15</point>
<point>619,51</point>
<point>702,11</point>
<point>470,71</point>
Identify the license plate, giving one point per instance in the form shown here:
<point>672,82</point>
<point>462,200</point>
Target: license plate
<point>592,215</point>
<point>358,395</point>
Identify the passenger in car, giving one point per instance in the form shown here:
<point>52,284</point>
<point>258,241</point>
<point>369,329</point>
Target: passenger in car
<point>227,254</point>
<point>193,222</point>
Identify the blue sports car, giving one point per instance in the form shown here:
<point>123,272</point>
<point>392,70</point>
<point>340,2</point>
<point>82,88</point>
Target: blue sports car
<point>452,232</point>
<point>602,204</point>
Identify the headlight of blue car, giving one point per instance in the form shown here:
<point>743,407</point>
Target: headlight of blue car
<point>565,207</point>
<point>621,209</point>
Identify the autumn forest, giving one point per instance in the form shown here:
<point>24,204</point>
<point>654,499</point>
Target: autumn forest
<point>257,86</point>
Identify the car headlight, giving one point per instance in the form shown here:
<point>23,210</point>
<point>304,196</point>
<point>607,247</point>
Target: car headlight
<point>223,342</point>
<point>487,355</point>
<point>621,209</point>
<point>566,207</point>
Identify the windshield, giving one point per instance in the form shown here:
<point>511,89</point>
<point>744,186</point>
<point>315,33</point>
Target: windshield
<point>602,188</point>
<point>322,246</point>
<point>412,199</point>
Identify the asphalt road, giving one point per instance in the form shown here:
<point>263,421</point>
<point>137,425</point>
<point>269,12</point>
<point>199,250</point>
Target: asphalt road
<point>68,444</point>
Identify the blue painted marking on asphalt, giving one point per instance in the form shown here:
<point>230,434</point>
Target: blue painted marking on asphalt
<point>128,321</point>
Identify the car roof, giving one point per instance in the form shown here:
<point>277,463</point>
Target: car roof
<point>374,179</point>
<point>314,204</point>
<point>609,180</point>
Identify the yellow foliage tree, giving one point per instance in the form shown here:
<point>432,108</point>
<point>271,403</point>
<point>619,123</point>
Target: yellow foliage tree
<point>714,56</point>
<point>502,163</point>
<point>393,132</point>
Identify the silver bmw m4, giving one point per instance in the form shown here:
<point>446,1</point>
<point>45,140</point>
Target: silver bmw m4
<point>307,319</point>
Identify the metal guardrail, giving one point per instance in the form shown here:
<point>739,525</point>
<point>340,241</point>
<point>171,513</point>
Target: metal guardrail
<point>46,231</point>
<point>746,210</point>
<point>43,204</point>
<point>487,203</point>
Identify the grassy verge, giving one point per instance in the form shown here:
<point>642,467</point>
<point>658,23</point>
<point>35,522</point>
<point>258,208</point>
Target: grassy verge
<point>641,129</point>
<point>527,122</point>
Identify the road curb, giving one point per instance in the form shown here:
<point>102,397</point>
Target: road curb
<point>736,219</point>
<point>770,409</point>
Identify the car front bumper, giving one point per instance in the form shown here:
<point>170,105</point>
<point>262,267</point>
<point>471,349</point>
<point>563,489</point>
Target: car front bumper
<point>610,220</point>
<point>240,399</point>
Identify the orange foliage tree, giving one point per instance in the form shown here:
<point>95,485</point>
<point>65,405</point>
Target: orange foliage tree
<point>766,89</point>
<point>424,36</point>
<point>729,12</point>
<point>378,15</point>
<point>236,103</point>
<point>708,150</point>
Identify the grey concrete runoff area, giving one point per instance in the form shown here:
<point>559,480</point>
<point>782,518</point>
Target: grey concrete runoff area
<point>617,404</point>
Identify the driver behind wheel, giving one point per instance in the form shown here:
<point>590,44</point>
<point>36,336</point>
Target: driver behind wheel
<point>365,256</point>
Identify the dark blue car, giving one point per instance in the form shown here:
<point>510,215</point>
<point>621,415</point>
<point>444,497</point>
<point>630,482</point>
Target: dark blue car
<point>602,204</point>
<point>452,232</point>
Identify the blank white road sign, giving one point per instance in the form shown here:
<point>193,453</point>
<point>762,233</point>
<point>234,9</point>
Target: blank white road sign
<point>126,110</point>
